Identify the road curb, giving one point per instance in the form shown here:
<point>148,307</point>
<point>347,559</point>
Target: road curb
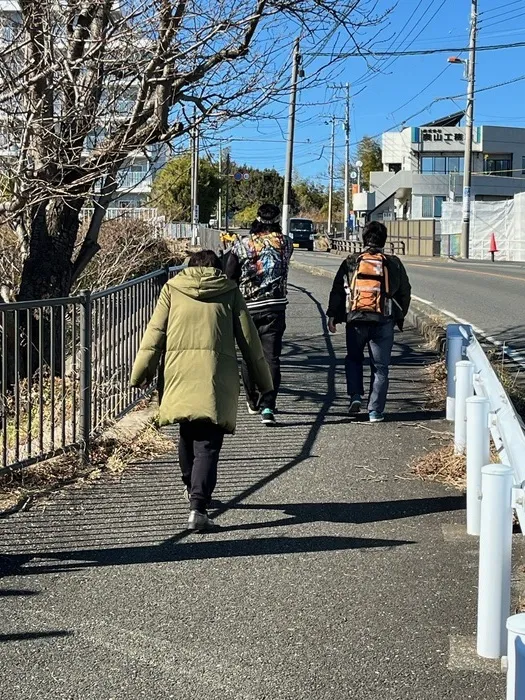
<point>419,317</point>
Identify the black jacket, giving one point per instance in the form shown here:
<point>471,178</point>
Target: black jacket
<point>399,290</point>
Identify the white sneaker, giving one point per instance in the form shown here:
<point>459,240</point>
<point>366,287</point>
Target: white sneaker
<point>186,494</point>
<point>198,521</point>
<point>251,410</point>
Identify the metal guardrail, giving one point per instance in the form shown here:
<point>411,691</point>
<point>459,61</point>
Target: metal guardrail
<point>65,367</point>
<point>342,245</point>
<point>481,408</point>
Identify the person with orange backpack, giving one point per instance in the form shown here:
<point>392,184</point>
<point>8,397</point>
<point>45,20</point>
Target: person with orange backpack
<point>371,293</point>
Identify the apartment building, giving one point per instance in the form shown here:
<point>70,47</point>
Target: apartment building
<point>136,176</point>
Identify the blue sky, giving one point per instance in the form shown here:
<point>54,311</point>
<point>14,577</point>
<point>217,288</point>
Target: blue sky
<point>384,98</point>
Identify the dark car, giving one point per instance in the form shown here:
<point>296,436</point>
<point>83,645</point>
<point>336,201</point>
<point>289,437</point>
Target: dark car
<point>302,232</point>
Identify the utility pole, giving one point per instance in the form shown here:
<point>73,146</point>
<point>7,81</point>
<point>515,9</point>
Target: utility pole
<point>195,181</point>
<point>467,174</point>
<point>296,62</point>
<point>347,161</point>
<point>219,204</point>
<point>227,193</point>
<point>331,174</point>
<point>192,175</point>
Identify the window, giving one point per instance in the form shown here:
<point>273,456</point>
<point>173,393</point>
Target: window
<point>427,207</point>
<point>432,206</point>
<point>523,165</point>
<point>438,206</point>
<point>427,164</point>
<point>442,164</point>
<point>500,164</point>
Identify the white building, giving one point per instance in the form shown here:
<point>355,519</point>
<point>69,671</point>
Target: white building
<point>423,167</point>
<point>136,176</point>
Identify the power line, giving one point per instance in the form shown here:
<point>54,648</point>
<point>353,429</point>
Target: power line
<point>499,7</point>
<point>502,21</point>
<point>382,65</point>
<point>423,52</point>
<point>438,76</point>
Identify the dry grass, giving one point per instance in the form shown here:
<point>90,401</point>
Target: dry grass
<point>108,457</point>
<point>444,466</point>
<point>509,377</point>
<point>437,385</point>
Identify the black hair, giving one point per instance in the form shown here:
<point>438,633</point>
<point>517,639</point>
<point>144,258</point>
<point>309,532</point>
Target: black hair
<point>268,212</point>
<point>205,258</point>
<point>375,234</point>
<point>264,227</point>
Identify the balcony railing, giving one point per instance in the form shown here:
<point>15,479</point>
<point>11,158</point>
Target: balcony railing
<point>131,180</point>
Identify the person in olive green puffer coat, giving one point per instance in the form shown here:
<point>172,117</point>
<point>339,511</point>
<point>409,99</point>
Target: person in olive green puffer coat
<point>199,316</point>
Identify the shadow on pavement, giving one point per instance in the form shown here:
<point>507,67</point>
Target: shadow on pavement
<point>172,551</point>
<point>28,636</point>
<point>356,513</point>
<point>12,592</point>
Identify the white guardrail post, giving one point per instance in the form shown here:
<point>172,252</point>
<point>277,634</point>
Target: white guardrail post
<point>495,554</point>
<point>516,657</point>
<point>478,455</point>
<point>464,389</point>
<point>456,342</point>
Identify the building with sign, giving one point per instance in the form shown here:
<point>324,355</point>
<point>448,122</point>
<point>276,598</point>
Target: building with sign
<point>423,167</point>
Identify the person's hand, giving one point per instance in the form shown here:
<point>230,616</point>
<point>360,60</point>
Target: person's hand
<point>332,327</point>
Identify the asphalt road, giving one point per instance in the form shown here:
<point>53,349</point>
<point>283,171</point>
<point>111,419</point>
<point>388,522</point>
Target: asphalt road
<point>490,296</point>
<point>335,574</point>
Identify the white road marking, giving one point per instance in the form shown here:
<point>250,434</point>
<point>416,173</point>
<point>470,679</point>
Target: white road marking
<point>515,355</point>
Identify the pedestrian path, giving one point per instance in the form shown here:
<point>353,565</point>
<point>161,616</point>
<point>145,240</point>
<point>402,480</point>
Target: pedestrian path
<point>334,574</point>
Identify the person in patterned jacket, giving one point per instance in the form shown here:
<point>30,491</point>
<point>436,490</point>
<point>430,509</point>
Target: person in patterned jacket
<point>259,264</point>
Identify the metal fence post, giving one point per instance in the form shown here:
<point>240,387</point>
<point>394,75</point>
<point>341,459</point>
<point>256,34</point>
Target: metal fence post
<point>516,657</point>
<point>464,389</point>
<point>85,372</point>
<point>495,554</point>
<point>478,455</point>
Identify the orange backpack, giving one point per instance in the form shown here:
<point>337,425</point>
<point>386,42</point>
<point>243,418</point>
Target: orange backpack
<point>369,289</point>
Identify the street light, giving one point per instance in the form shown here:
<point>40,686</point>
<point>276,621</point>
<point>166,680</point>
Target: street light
<point>359,165</point>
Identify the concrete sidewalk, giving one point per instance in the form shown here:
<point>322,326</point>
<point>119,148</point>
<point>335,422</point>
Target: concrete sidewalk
<point>334,575</point>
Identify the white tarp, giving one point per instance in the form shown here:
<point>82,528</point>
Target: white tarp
<point>504,219</point>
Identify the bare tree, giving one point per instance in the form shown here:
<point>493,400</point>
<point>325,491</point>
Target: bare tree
<point>86,84</point>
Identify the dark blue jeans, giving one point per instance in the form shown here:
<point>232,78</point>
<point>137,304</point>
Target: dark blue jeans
<point>380,338</point>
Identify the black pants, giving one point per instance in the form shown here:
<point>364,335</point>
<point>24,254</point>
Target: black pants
<point>199,448</point>
<point>270,326</point>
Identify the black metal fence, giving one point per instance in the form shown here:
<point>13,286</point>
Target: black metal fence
<point>341,245</point>
<point>65,367</point>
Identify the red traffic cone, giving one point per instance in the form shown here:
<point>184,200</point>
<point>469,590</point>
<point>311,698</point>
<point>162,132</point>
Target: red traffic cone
<point>493,248</point>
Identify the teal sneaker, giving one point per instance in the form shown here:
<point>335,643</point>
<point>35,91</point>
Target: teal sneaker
<point>268,417</point>
<point>376,417</point>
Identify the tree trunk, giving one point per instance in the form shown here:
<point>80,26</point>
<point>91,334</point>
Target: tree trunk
<point>47,271</point>
<point>47,274</point>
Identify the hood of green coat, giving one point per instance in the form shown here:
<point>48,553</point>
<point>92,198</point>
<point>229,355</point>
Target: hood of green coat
<point>202,282</point>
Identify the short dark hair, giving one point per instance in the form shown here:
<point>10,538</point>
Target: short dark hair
<point>375,234</point>
<point>263,227</point>
<point>205,258</point>
<point>268,213</point>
